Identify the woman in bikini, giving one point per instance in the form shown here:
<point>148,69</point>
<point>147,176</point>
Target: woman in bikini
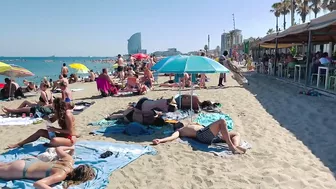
<point>48,173</point>
<point>66,92</point>
<point>64,136</point>
<point>44,100</point>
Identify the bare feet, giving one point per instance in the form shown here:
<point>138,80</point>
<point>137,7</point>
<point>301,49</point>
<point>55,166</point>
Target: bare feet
<point>4,110</point>
<point>12,146</point>
<point>156,141</point>
<point>238,150</point>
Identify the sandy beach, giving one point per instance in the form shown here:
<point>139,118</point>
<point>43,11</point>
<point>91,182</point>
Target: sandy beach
<point>293,139</point>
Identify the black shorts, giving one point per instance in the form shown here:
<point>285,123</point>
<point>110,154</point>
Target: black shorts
<point>65,75</point>
<point>205,135</point>
<point>140,102</point>
<point>120,68</point>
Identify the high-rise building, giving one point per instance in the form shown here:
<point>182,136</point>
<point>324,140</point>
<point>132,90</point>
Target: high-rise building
<point>237,37</point>
<point>231,40</point>
<point>224,42</point>
<point>134,44</point>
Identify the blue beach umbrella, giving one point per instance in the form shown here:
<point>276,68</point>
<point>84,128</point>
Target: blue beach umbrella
<point>163,61</point>
<point>192,65</point>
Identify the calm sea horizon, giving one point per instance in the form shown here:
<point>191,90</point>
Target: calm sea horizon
<point>50,67</point>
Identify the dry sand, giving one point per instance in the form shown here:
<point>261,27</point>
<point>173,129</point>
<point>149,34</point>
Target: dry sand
<point>293,138</point>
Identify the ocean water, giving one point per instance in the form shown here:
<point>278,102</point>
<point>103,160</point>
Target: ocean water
<point>52,68</point>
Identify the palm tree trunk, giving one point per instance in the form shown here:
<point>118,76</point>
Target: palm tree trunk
<point>315,12</point>
<point>277,24</point>
<point>284,22</point>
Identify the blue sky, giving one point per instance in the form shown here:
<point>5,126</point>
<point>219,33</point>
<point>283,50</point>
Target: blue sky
<point>102,27</point>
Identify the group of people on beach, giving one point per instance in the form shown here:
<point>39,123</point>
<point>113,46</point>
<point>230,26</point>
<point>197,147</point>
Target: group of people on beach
<point>64,137</point>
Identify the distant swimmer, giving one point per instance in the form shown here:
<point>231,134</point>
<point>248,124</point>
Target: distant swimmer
<point>64,71</point>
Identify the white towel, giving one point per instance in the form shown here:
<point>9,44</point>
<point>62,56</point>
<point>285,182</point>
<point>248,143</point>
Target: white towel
<point>17,120</point>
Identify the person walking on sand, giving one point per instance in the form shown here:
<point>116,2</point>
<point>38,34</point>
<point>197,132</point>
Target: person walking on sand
<point>206,135</point>
<point>64,71</point>
<point>120,68</point>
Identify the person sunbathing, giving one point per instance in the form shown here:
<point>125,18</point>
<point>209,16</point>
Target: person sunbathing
<point>66,92</point>
<point>206,135</point>
<point>65,136</point>
<point>184,82</point>
<point>91,78</point>
<point>57,83</point>
<point>148,78</point>
<point>133,84</point>
<point>29,86</point>
<point>45,99</point>
<point>48,173</point>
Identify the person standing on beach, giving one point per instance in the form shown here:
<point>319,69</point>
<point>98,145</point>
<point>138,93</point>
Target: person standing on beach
<point>120,62</point>
<point>203,76</point>
<point>222,76</point>
<point>132,63</point>
<point>64,71</point>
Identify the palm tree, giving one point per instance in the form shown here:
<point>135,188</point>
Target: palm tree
<point>206,48</point>
<point>329,4</point>
<point>276,10</point>
<point>285,8</point>
<point>316,6</point>
<point>270,31</point>
<point>302,9</point>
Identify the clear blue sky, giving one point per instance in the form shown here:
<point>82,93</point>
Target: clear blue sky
<point>102,27</point>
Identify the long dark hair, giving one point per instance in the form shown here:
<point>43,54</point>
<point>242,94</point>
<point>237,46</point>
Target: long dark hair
<point>60,111</point>
<point>79,175</point>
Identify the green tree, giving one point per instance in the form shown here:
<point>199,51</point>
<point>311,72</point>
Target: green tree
<point>302,8</point>
<point>270,31</point>
<point>276,10</point>
<point>285,8</point>
<point>206,48</point>
<point>316,6</point>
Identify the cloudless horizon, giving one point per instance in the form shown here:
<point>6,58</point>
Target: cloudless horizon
<point>102,28</point>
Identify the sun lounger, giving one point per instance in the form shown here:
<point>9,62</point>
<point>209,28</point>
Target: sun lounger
<point>87,152</point>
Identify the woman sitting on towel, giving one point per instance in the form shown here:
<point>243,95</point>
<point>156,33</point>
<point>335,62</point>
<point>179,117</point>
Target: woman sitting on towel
<point>65,136</point>
<point>206,135</point>
<point>48,173</point>
<point>44,100</point>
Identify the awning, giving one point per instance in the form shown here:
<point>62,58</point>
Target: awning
<point>280,46</point>
<point>323,21</point>
<point>294,30</point>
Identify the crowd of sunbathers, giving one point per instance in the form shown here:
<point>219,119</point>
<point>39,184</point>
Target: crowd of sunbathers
<point>64,137</point>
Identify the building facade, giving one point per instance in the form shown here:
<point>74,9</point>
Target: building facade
<point>134,44</point>
<point>231,40</point>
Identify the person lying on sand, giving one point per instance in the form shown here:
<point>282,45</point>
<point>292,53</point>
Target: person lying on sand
<point>29,86</point>
<point>185,81</point>
<point>206,135</point>
<point>48,173</point>
<point>65,136</point>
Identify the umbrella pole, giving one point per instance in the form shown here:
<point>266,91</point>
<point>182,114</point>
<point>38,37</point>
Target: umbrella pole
<point>191,100</point>
<point>180,97</point>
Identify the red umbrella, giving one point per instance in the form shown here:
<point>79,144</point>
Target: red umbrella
<point>140,56</point>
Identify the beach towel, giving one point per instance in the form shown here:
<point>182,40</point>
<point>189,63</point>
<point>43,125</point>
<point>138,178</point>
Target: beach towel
<point>218,149</point>
<point>132,129</point>
<point>87,152</point>
<point>18,121</point>
<point>177,115</point>
<point>81,106</point>
<point>75,90</point>
<point>206,119</point>
<point>103,123</point>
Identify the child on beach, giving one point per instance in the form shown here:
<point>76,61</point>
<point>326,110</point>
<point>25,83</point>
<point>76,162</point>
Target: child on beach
<point>206,135</point>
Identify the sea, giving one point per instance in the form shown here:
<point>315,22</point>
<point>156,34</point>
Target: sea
<point>50,67</point>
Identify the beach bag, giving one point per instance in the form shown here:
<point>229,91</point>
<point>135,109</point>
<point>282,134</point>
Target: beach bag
<point>145,118</point>
<point>186,102</point>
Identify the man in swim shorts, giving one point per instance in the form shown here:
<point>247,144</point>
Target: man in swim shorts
<point>120,68</point>
<point>207,135</point>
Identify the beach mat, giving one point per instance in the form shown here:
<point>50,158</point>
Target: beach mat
<point>206,119</point>
<point>17,121</point>
<point>81,106</point>
<point>87,152</point>
<point>218,149</point>
<point>131,129</point>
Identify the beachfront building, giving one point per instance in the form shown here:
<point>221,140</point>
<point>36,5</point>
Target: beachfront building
<point>169,52</point>
<point>225,42</point>
<point>134,44</point>
<point>231,40</point>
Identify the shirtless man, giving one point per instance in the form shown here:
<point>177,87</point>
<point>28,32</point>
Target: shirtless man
<point>64,71</point>
<point>57,83</point>
<point>105,75</point>
<point>120,69</point>
<point>206,135</point>
<point>132,63</point>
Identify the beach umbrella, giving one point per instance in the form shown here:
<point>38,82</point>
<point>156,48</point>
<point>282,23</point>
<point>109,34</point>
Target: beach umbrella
<point>16,71</point>
<point>192,65</point>
<point>81,68</point>
<point>140,56</point>
<point>4,67</point>
<point>163,61</point>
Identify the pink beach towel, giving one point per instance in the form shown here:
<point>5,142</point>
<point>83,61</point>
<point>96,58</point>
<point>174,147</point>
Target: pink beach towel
<point>104,86</point>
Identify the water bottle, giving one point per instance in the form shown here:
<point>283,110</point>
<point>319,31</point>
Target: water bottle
<point>51,134</point>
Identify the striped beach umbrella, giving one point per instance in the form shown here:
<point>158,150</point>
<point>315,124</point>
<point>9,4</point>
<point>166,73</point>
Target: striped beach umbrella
<point>4,67</point>
<point>16,71</point>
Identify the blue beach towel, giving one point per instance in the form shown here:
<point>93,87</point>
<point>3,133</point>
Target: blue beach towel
<point>206,119</point>
<point>87,152</point>
<point>132,129</point>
